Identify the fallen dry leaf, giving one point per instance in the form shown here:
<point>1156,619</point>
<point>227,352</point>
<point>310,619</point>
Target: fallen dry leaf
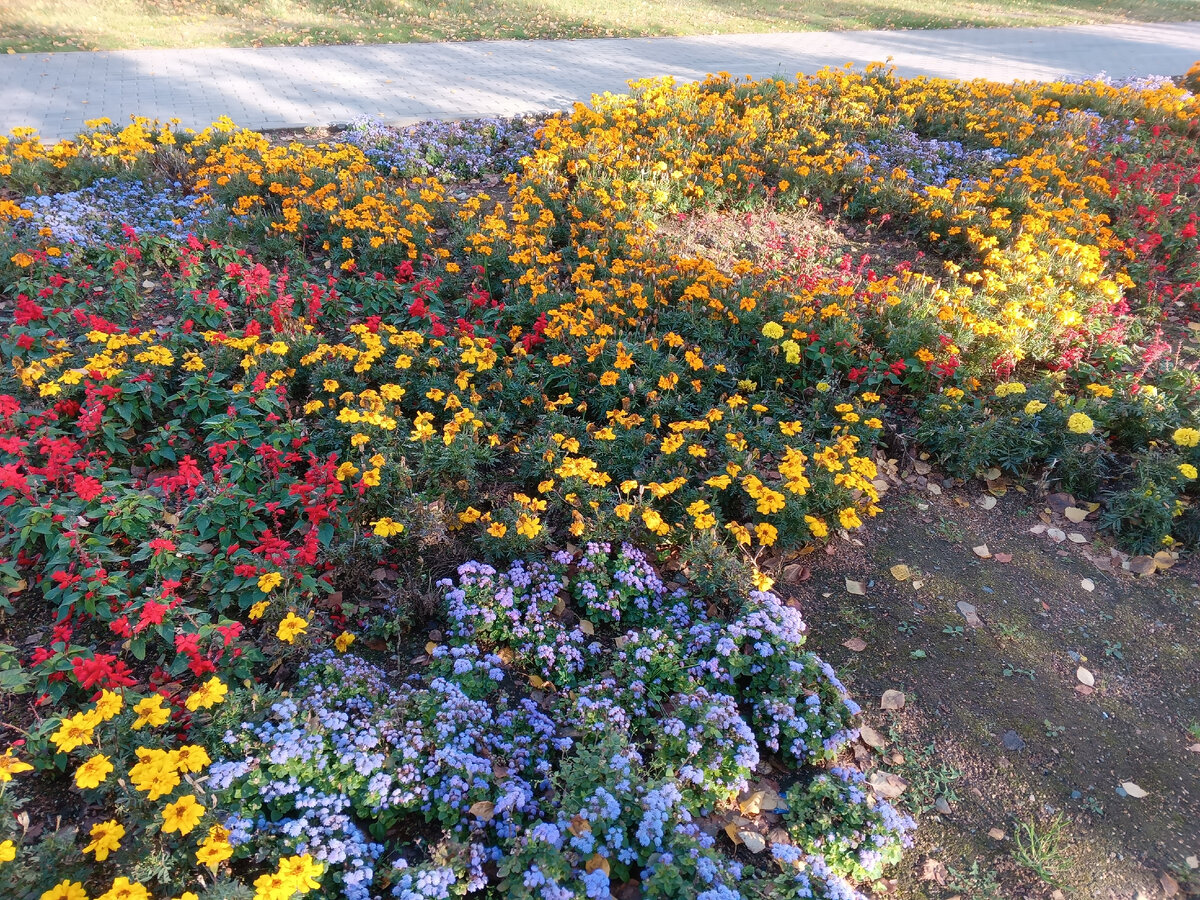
<point>887,785</point>
<point>892,699</point>
<point>484,810</point>
<point>1002,557</point>
<point>987,501</point>
<point>1143,565</point>
<point>969,613</point>
<point>758,801</point>
<point>996,834</point>
<point>1060,502</point>
<point>754,841</point>
<point>1088,585</point>
<point>598,861</point>
<point>587,627</point>
<point>901,572</point>
<point>1085,677</point>
<point>982,551</point>
<point>857,645</point>
<point>796,573</point>
<point>1076,538</point>
<point>1075,514</point>
<point>856,587</point>
<point>1056,534</point>
<point>1195,748</point>
<point>1134,790</point>
<point>933,870</point>
<point>871,737</point>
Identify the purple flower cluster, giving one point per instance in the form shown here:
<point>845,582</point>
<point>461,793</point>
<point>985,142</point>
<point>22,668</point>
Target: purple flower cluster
<point>95,215</point>
<point>654,722</point>
<point>461,151</point>
<point>928,161</point>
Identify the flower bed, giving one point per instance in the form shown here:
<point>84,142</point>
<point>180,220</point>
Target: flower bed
<point>261,403</point>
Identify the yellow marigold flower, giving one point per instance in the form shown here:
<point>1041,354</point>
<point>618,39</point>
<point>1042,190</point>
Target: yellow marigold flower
<point>109,705</point>
<point>150,712</point>
<point>190,758</point>
<point>1187,470</point>
<point>849,518</point>
<point>623,510</point>
<point>257,610</point>
<point>1010,387</point>
<point>22,259</point>
<point>269,581</point>
<point>817,526</point>
<point>209,694</point>
<point>1186,437</point>
<point>302,872</point>
<point>371,478</point>
<point>653,521</point>
<point>1033,407</point>
<point>66,890</point>
<point>823,387</point>
<point>1081,423</point>
<point>528,526</point>
<point>292,626</point>
<point>10,766</point>
<point>106,837</point>
<point>93,772</point>
<point>8,851</point>
<point>183,815</point>
<point>359,439</point>
<point>154,774</point>
<point>75,731</point>
<point>124,889</point>
<point>766,533</point>
<point>773,330</point>
<point>215,849</point>
<point>386,527</point>
<point>497,529</point>
<point>343,641</point>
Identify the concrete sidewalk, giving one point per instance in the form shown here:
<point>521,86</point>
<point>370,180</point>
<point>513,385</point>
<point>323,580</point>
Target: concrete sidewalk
<point>400,83</point>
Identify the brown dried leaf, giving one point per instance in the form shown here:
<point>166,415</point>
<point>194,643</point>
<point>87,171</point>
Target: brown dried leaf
<point>901,572</point>
<point>1143,565</point>
<point>796,573</point>
<point>855,644</point>
<point>887,785</point>
<point>982,551</point>
<point>1133,790</point>
<point>932,870</point>
<point>1085,677</point>
<point>892,699</point>
<point>871,737</point>
<point>856,587</point>
<point>1075,514</point>
<point>484,809</point>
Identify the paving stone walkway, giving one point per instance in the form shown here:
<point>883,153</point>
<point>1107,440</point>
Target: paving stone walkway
<point>284,87</point>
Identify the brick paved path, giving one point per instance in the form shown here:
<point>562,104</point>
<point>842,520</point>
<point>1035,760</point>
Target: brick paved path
<point>400,83</point>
